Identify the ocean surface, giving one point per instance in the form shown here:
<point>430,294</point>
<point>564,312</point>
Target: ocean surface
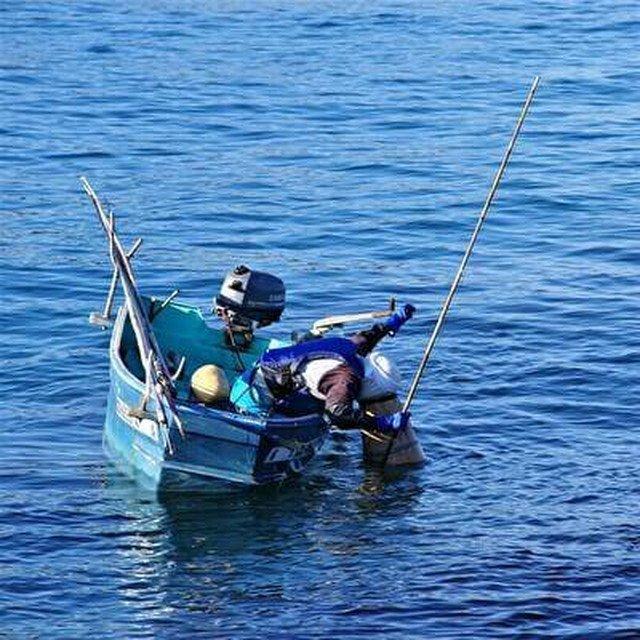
<point>348,148</point>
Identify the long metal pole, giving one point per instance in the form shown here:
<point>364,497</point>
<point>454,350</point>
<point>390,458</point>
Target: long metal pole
<point>158,375</point>
<point>467,254</point>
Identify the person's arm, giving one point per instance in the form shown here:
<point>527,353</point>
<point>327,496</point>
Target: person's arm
<point>341,387</point>
<point>367,340</point>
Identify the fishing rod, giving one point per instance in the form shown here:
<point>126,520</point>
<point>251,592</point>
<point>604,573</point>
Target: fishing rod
<point>465,259</point>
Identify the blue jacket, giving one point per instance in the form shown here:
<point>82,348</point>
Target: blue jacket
<point>282,367</point>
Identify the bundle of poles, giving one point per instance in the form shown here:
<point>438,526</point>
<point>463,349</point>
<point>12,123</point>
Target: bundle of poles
<point>465,259</point>
<point>159,384</point>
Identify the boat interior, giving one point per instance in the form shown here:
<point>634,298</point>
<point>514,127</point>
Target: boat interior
<point>182,331</point>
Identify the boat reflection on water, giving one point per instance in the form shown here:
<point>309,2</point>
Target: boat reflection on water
<point>209,554</point>
<point>307,514</point>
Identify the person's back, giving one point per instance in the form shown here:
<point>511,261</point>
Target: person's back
<point>334,372</point>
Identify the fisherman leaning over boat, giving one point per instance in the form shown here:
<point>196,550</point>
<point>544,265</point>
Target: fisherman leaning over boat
<point>334,375</point>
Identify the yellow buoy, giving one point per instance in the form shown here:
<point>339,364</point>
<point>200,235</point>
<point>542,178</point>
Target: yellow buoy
<point>209,384</point>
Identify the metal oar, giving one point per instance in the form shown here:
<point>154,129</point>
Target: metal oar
<point>465,259</point>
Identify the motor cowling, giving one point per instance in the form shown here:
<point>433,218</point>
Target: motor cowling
<point>248,296</point>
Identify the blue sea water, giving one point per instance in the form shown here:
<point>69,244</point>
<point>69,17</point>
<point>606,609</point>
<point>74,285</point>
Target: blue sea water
<point>348,148</point>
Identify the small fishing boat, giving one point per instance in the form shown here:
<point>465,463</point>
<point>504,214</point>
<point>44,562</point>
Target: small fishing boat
<point>155,429</point>
<point>210,443</point>
<point>162,430</point>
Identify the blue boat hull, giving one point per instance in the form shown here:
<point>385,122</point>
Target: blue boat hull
<point>218,449</point>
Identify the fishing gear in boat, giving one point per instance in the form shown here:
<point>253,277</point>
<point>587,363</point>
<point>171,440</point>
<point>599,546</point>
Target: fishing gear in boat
<point>323,326</point>
<point>210,385</point>
<point>320,327</point>
<point>465,259</point>
<point>156,308</point>
<point>158,379</point>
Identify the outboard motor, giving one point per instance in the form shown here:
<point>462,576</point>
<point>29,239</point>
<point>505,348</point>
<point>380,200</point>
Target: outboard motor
<point>249,299</point>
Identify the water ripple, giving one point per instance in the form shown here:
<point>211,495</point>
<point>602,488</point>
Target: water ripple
<point>347,148</point>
